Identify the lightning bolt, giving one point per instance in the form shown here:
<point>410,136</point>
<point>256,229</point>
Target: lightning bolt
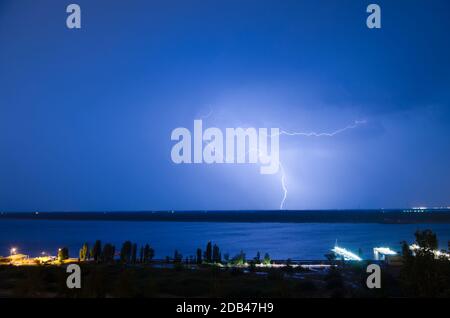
<point>355,124</point>
<point>308,134</point>
<point>283,176</point>
<point>283,186</point>
<point>321,134</point>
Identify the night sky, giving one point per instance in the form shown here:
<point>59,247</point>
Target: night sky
<point>86,115</point>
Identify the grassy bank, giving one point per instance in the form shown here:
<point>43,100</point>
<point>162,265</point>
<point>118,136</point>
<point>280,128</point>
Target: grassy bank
<point>100,280</point>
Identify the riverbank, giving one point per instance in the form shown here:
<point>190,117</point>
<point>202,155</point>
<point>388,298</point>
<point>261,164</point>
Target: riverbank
<point>99,280</point>
<point>420,270</point>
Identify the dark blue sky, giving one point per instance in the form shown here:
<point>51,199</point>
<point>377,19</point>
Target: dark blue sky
<point>86,115</point>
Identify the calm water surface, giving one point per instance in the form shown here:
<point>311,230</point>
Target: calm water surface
<point>281,241</point>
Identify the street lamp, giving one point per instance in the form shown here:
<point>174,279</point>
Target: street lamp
<point>13,251</point>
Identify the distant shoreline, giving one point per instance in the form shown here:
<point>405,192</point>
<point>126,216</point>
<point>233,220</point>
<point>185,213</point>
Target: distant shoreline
<point>404,216</point>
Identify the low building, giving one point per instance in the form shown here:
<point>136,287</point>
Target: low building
<point>17,257</point>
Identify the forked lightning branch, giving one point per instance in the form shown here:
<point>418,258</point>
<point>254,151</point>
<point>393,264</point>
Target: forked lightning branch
<point>238,146</point>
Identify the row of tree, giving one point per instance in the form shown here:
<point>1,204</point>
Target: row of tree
<point>212,254</point>
<point>106,254</point>
<point>128,254</point>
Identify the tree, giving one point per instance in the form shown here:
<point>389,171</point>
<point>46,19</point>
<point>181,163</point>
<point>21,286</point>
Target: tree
<point>406,251</point>
<point>239,259</point>
<point>208,253</point>
<point>422,273</point>
<point>108,253</point>
<point>177,258</point>
<point>267,260</point>
<point>258,258</point>
<point>199,256</point>
<point>149,253</point>
<point>426,239</point>
<point>288,262</point>
<point>63,254</point>
<point>226,257</point>
<point>141,255</point>
<point>97,250</point>
<point>134,253</point>
<point>216,257</point>
<point>330,257</point>
<point>146,253</point>
<point>125,252</point>
<point>84,252</point>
